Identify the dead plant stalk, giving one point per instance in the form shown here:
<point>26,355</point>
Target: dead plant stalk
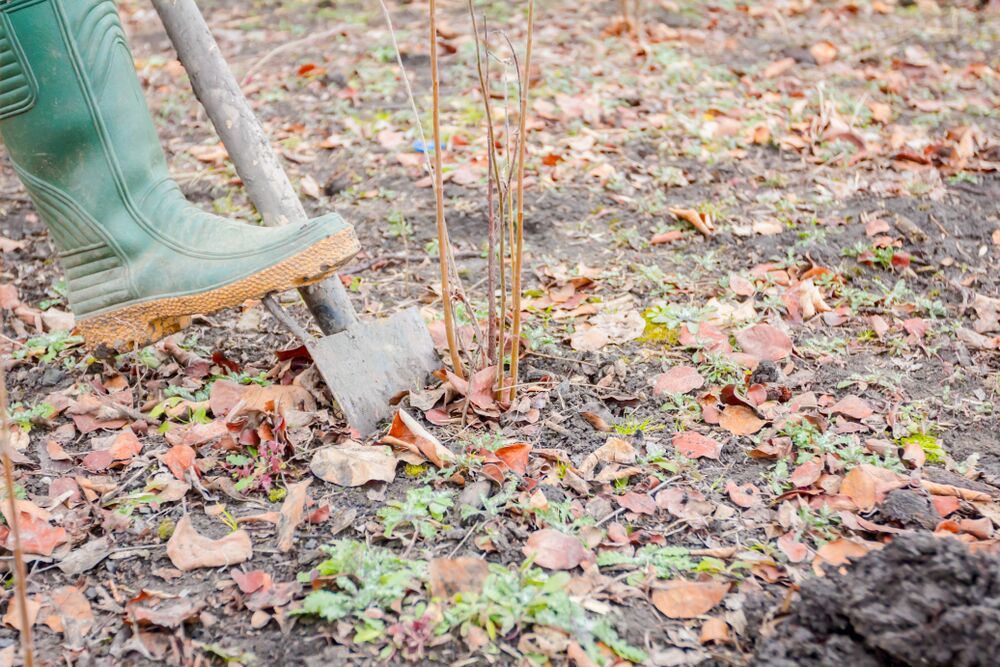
<point>519,249</point>
<point>442,225</point>
<point>20,571</point>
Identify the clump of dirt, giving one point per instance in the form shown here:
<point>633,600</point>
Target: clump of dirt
<point>922,600</point>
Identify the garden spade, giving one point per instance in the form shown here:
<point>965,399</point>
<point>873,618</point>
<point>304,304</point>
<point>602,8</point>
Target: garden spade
<point>364,364</point>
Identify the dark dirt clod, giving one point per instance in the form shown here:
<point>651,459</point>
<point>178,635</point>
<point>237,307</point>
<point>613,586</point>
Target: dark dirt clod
<point>909,509</point>
<point>922,600</point>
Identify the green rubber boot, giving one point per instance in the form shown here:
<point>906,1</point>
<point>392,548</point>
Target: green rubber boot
<point>139,258</point>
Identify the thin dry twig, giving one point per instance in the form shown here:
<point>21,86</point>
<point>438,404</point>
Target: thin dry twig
<point>444,243</point>
<point>21,572</point>
<point>519,250</point>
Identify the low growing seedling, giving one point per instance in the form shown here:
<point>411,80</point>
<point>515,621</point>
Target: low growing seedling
<point>423,512</point>
<point>360,579</point>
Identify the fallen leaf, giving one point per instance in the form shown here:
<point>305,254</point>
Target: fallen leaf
<point>696,446</point>
<point>823,52</point>
<point>614,450</point>
<point>188,550</point>
<point>765,342</point>
<point>408,431</point>
<point>745,495</point>
<point>640,503</point>
<point>715,630</point>
<point>179,459</point>
<point>914,454</point>
<point>700,221</point>
<point>688,599</point>
<point>252,581</point>
<point>291,514</point>
<point>740,420</point>
<point>837,552</point>
<point>554,550</point>
<point>678,380</point>
<point>451,576</point>
<point>795,551</point>
<point>608,328</point>
<point>515,456</point>
<point>853,407</point>
<point>224,396</point>
<point>13,615</point>
<point>860,488</point>
<point>807,473</point>
<point>72,614</point>
<point>778,68</point>
<point>354,464</point>
<point>37,535</point>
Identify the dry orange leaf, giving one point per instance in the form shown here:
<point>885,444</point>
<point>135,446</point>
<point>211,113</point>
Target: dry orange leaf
<point>700,221</point>
<point>554,550</point>
<point>745,495</point>
<point>291,514</point>
<point>450,576</point>
<point>807,473</point>
<point>765,342</point>
<point>859,486</point>
<point>740,420</point>
<point>793,549</point>
<point>715,630</point>
<point>778,67</point>
<point>678,380</point>
<point>179,459</point>
<point>188,550</point>
<point>824,52</point>
<point>354,464</point>
<point>696,446</point>
<point>407,430</point>
<point>688,599</point>
<point>838,552</point>
<point>852,406</point>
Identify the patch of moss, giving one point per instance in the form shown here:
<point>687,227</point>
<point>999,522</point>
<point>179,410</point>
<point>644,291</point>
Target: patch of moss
<point>659,333</point>
<point>932,448</point>
<point>165,530</point>
<point>414,471</point>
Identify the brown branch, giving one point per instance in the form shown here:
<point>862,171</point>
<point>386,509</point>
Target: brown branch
<point>442,227</point>
<point>519,251</point>
<point>21,572</point>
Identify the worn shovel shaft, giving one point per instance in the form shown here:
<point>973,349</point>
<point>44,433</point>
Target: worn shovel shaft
<point>248,146</point>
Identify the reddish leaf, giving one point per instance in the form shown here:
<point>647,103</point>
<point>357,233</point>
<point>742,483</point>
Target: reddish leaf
<point>224,396</point>
<point>189,550</point>
<point>859,486</point>
<point>252,581</point>
<point>837,552</point>
<point>640,503</point>
<point>852,406</point>
<point>765,342</point>
<point>451,576</point>
<point>740,420</point>
<point>696,446</point>
<point>746,495</point>
<point>688,599</point>
<point>37,536</point>
<point>515,456</point>
<point>678,380</point>
<point>795,551</point>
<point>554,550</point>
<point>179,459</point>
<point>807,473</point>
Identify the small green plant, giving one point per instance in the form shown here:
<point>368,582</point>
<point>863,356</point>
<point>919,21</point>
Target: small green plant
<point>398,225</point>
<point>47,347</point>
<point>631,425</point>
<point>359,579</point>
<point>517,599</point>
<point>666,563</point>
<point>718,368</point>
<point>27,417</point>
<point>423,511</point>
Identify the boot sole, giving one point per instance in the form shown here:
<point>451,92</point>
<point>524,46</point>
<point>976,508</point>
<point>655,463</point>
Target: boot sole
<point>140,324</point>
